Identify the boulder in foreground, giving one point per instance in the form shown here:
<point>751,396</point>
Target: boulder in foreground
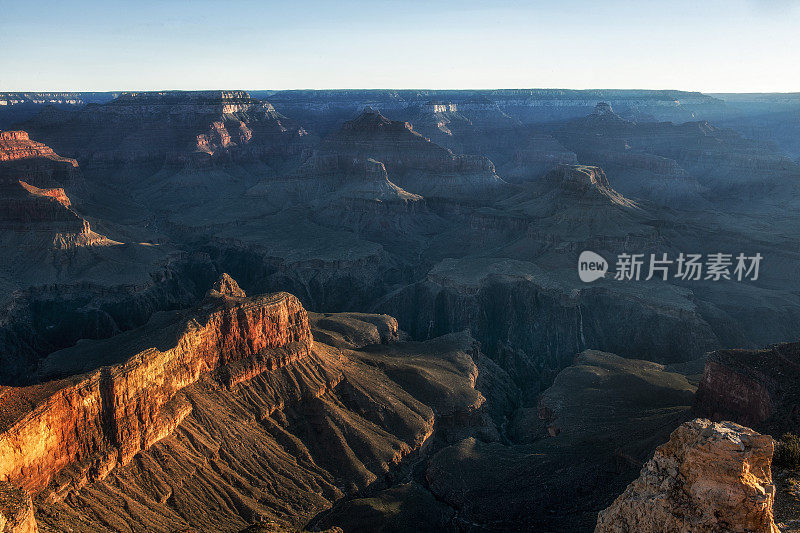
<point>710,476</point>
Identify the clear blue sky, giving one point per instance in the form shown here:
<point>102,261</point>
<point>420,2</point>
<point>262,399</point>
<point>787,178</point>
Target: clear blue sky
<point>730,45</point>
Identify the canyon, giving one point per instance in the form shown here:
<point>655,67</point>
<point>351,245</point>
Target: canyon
<point>225,310</point>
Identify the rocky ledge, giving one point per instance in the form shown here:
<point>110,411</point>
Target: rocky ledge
<point>708,477</point>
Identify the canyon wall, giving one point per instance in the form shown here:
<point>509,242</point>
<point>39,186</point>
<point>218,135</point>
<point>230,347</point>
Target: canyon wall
<point>753,387</point>
<point>103,418</point>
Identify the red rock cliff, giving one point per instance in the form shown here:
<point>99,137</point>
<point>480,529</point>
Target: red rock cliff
<point>95,421</point>
<point>16,145</point>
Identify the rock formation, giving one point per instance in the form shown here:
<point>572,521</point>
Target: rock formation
<point>679,165</point>
<point>183,417</point>
<point>571,455</point>
<point>15,145</point>
<point>171,125</point>
<point>133,400</point>
<point>16,510</point>
<point>30,211</point>
<point>708,477</point>
<point>323,108</point>
<point>34,162</point>
<point>412,161</point>
<point>163,397</point>
<point>226,286</point>
<point>753,387</point>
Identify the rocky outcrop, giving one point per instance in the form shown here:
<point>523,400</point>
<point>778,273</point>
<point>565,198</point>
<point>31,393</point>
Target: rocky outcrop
<point>226,286</point>
<point>26,204</point>
<point>16,510</point>
<point>579,178</point>
<point>576,202</point>
<point>753,387</point>
<point>15,145</point>
<point>130,397</point>
<point>708,477</point>
<point>42,220</point>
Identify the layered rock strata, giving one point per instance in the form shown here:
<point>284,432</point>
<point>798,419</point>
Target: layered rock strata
<point>102,418</point>
<point>412,161</point>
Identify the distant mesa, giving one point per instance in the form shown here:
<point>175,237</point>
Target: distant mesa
<point>603,115</point>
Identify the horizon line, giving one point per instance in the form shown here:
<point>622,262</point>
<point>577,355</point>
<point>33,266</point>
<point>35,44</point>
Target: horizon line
<point>340,89</point>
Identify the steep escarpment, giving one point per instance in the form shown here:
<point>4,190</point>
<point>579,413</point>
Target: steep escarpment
<point>43,218</point>
<point>708,477</point>
<point>412,161</point>
<point>532,322</point>
<point>130,401</point>
<point>97,292</point>
<point>15,145</point>
<point>36,214</point>
<point>753,387</point>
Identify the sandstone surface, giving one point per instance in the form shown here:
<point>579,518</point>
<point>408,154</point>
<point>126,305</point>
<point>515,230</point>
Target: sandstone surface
<point>710,476</point>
